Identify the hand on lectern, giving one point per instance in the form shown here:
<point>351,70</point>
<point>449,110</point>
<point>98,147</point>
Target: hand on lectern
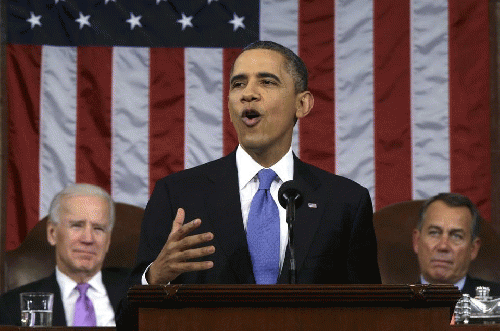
<point>174,258</point>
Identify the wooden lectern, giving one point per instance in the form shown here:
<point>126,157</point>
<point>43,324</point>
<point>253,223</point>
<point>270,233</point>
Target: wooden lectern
<point>293,307</point>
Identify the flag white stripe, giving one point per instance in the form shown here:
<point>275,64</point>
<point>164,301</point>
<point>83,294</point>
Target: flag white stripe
<point>57,122</point>
<point>430,98</point>
<point>130,125</point>
<point>203,121</point>
<point>279,22</point>
<point>354,92</point>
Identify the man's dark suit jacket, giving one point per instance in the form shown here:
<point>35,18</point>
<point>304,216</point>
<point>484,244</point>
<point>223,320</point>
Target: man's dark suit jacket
<point>334,236</point>
<point>471,284</point>
<point>114,280</point>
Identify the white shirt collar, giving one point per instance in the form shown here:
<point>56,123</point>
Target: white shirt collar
<point>248,167</point>
<point>67,285</point>
<point>460,284</point>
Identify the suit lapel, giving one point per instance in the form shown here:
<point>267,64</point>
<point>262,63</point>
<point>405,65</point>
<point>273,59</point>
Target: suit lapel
<point>114,288</point>
<point>225,216</point>
<point>58,314</point>
<point>308,217</point>
<point>470,286</point>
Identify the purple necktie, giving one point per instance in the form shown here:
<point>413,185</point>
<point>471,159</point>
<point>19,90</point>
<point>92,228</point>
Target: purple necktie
<point>84,310</point>
<point>263,231</point>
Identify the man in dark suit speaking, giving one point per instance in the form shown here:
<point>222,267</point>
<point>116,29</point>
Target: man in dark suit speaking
<point>220,222</point>
<point>81,219</point>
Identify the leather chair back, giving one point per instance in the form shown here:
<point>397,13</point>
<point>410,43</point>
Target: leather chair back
<point>34,258</point>
<point>398,263</point>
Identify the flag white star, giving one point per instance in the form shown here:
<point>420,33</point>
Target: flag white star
<point>210,1</point>
<point>83,20</point>
<point>106,2</point>
<point>237,22</point>
<point>134,20</point>
<point>34,20</point>
<point>59,0</point>
<point>185,21</point>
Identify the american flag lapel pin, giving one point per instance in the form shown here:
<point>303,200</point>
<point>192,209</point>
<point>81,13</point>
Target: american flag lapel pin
<point>312,205</point>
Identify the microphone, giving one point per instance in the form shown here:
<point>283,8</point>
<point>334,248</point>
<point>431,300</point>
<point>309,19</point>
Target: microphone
<point>290,192</point>
<point>291,197</point>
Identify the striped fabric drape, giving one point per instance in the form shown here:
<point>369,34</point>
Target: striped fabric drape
<point>401,90</point>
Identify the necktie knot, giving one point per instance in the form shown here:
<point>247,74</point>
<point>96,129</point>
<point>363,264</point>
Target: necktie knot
<point>82,288</point>
<point>266,177</point>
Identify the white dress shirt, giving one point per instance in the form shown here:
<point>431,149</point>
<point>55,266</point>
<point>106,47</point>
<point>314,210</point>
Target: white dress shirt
<point>104,313</point>
<point>249,185</point>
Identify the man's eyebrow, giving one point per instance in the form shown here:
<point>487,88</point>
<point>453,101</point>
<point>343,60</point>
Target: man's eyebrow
<point>259,75</point>
<point>76,221</point>
<point>456,230</point>
<point>268,75</point>
<point>452,230</point>
<point>237,77</point>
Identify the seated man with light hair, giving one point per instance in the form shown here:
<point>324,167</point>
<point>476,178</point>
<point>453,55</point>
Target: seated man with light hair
<point>446,240</point>
<point>81,219</point>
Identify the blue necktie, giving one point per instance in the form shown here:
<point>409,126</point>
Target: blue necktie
<point>263,231</point>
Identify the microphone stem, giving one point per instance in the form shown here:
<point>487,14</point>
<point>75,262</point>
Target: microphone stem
<point>292,254</point>
<point>290,215</point>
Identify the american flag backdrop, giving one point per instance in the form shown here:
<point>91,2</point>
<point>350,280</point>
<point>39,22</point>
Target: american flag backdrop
<point>120,93</point>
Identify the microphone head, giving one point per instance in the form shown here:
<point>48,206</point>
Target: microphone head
<point>290,190</point>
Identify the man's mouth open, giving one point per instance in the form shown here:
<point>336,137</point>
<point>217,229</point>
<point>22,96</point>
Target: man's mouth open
<point>251,117</point>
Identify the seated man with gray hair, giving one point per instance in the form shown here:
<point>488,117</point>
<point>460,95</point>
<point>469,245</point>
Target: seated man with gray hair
<point>81,219</point>
<point>446,240</point>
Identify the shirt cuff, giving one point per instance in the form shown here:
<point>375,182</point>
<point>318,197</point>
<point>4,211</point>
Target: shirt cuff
<point>143,279</point>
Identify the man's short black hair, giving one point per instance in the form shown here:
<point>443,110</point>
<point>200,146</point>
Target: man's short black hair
<point>295,64</point>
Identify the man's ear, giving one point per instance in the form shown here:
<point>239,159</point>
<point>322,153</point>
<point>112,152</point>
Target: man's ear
<point>415,237</point>
<point>51,233</point>
<point>476,244</point>
<point>304,104</point>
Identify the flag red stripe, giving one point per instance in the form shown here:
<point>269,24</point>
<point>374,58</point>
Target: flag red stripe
<point>392,116</point>
<point>469,101</point>
<point>23,182</point>
<point>230,139</point>
<point>317,130</point>
<point>93,133</point>
<point>166,142</point>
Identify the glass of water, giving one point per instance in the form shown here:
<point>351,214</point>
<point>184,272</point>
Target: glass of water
<point>36,308</point>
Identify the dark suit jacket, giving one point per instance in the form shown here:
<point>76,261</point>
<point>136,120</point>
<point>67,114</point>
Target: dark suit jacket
<point>471,284</point>
<point>114,280</point>
<point>334,236</point>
